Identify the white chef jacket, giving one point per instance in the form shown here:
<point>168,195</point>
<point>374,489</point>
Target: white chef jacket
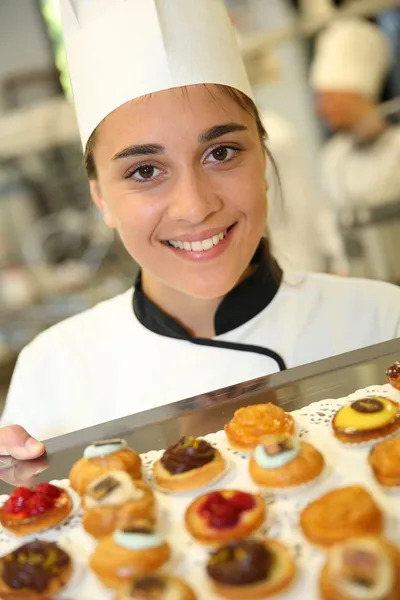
<point>362,176</point>
<point>105,363</point>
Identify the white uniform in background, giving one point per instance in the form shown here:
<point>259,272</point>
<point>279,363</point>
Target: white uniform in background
<point>302,226</point>
<point>353,55</point>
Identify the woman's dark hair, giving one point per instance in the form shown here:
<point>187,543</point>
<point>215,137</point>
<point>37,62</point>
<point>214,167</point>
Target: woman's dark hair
<point>239,97</point>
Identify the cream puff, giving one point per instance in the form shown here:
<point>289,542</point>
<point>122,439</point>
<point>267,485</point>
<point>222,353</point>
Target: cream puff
<point>251,569</point>
<point>34,571</point>
<point>393,375</point>
<point>223,516</point>
<point>251,423</point>
<point>29,511</point>
<point>340,514</point>
<point>364,568</point>
<point>384,460</point>
<point>128,552</point>
<point>282,461</point>
<point>100,458</point>
<point>113,500</point>
<point>155,586</point>
<point>366,419</point>
<point>189,464</point>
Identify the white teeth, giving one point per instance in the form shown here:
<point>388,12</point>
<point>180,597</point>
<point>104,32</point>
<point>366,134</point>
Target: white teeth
<point>207,244</point>
<point>199,246</point>
<point>196,246</point>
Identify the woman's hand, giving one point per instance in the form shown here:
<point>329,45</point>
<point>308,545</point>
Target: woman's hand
<point>16,442</point>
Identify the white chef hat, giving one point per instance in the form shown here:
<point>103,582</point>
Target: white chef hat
<point>351,55</point>
<point>118,50</point>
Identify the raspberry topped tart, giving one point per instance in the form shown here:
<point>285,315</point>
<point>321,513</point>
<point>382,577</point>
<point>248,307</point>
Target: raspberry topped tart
<point>225,515</point>
<point>29,511</point>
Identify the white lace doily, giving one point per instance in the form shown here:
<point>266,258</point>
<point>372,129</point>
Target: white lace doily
<point>346,465</point>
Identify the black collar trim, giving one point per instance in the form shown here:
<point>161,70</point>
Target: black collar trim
<point>243,303</point>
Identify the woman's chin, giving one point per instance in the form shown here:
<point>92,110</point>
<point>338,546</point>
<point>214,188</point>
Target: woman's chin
<point>209,290</point>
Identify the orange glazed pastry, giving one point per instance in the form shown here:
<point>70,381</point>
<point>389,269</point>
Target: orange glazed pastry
<point>249,569</point>
<point>156,587</point>
<point>367,419</point>
<point>393,375</point>
<point>129,552</point>
<point>189,464</point>
<point>364,568</point>
<point>251,423</point>
<point>101,457</point>
<point>113,500</point>
<point>34,571</point>
<point>29,511</point>
<point>385,462</point>
<point>341,514</point>
<point>223,516</point>
<point>282,461</point>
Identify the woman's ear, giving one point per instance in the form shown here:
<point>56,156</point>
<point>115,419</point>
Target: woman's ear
<point>97,198</point>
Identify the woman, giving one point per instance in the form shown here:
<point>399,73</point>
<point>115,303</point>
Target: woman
<point>176,161</point>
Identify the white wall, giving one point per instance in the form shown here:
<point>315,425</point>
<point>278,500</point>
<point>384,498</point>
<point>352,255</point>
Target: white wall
<point>23,43</point>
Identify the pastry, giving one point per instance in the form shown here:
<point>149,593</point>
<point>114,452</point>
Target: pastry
<point>341,514</point>
<point>128,552</point>
<point>393,375</point>
<point>365,568</point>
<point>384,460</point>
<point>366,419</point>
<point>34,571</point>
<point>251,423</point>
<point>32,510</point>
<point>189,464</point>
<point>283,461</point>
<point>113,500</point>
<point>101,457</point>
<point>251,569</point>
<point>223,516</point>
<point>156,587</point>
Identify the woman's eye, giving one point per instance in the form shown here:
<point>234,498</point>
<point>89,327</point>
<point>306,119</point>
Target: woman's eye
<point>144,173</point>
<point>222,154</point>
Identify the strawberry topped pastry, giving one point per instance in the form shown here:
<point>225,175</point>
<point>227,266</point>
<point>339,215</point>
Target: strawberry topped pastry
<point>30,510</point>
<point>226,515</point>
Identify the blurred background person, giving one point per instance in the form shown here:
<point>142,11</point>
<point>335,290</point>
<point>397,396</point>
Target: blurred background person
<point>361,159</point>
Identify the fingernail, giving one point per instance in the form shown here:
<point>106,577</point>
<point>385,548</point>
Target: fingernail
<point>33,445</point>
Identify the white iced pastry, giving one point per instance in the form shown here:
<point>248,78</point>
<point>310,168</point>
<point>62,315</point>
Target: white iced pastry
<point>137,539</point>
<point>104,447</point>
<point>112,489</point>
<point>276,451</point>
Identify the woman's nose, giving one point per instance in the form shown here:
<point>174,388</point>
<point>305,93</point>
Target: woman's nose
<point>193,199</point>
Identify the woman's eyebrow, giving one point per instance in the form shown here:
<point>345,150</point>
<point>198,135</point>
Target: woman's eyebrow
<point>206,136</point>
<point>219,130</point>
<point>139,150</point>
